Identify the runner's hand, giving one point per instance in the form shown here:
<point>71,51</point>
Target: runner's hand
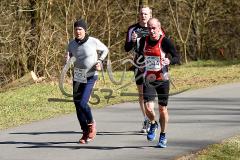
<point>98,66</point>
<point>165,61</point>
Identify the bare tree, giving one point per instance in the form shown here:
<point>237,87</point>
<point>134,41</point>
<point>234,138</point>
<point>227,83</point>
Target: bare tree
<point>175,17</point>
<point>34,34</point>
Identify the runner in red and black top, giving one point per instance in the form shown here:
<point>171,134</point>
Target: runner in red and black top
<point>135,32</point>
<point>156,49</point>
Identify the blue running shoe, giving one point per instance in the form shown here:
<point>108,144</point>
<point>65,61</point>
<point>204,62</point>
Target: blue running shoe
<point>162,141</point>
<point>152,132</point>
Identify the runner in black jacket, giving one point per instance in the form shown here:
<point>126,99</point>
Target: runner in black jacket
<point>135,32</point>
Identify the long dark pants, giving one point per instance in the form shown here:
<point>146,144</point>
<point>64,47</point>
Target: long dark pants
<point>81,95</point>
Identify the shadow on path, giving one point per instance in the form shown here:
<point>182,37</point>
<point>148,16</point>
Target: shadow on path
<point>73,132</point>
<point>67,145</point>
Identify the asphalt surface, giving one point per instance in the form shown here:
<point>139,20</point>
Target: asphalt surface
<point>197,118</point>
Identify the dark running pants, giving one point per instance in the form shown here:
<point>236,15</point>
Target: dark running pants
<point>81,95</point>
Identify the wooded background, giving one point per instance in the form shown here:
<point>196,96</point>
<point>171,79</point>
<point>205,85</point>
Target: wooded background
<point>34,33</point>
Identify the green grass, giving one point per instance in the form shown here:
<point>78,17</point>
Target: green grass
<point>205,73</point>
<point>28,104</point>
<point>227,150</point>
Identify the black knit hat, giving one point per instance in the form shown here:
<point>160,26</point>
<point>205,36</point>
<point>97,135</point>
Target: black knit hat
<point>81,23</point>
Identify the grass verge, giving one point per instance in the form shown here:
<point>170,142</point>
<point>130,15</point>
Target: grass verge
<point>229,149</point>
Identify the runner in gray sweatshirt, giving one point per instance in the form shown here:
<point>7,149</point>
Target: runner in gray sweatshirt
<point>89,52</point>
<point>86,53</point>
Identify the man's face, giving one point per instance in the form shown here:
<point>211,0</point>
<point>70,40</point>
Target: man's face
<point>154,29</point>
<point>79,32</point>
<point>144,15</point>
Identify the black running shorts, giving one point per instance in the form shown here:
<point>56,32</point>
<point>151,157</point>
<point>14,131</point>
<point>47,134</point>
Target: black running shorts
<point>160,87</point>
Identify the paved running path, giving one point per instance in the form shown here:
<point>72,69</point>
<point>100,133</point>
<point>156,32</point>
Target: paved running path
<point>197,118</point>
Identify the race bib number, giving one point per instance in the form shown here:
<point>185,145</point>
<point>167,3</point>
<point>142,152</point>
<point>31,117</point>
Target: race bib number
<point>152,63</point>
<point>80,75</point>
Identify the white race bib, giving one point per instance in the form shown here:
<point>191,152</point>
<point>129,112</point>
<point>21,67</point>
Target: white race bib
<point>152,63</point>
<point>80,75</point>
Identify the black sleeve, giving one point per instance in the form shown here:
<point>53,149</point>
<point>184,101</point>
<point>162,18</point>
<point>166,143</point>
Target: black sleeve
<point>169,48</point>
<point>128,46</point>
<point>141,48</point>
